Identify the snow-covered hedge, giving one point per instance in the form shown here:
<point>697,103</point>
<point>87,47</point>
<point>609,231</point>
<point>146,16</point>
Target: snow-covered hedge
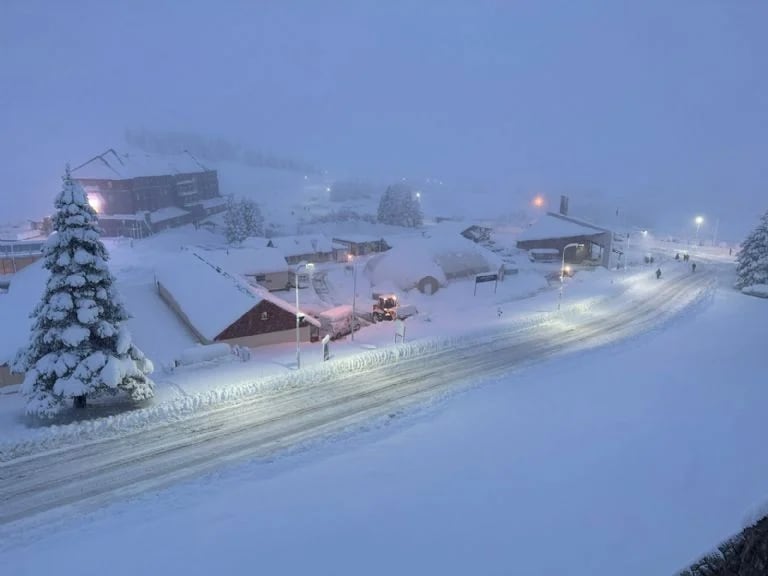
<point>760,290</point>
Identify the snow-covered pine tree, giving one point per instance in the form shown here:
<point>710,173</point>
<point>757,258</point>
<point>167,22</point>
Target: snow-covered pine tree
<point>79,345</point>
<point>399,206</point>
<point>752,259</point>
<point>253,221</point>
<point>242,220</point>
<point>233,222</point>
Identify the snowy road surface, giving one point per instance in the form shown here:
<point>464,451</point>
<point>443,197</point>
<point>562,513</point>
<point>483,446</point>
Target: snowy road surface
<point>84,476</point>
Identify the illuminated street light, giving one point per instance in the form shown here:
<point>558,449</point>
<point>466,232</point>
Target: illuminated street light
<point>563,270</point>
<point>538,201</point>
<point>299,266</point>
<point>699,220</point>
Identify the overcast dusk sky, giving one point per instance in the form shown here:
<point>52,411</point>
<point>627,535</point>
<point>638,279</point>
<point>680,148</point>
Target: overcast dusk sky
<point>648,103</point>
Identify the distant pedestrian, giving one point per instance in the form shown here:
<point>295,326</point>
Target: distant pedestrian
<point>499,312</point>
<point>693,267</point>
<point>658,273</point>
<point>677,256</point>
<point>730,251</point>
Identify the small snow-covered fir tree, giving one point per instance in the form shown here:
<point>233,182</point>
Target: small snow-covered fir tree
<point>253,221</point>
<point>242,220</point>
<point>79,345</point>
<point>400,206</point>
<point>233,223</point>
<point>752,259</point>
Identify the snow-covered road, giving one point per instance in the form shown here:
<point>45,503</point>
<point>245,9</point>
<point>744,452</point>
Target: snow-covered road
<point>87,475</point>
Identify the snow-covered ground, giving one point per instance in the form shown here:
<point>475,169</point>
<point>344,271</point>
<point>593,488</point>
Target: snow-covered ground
<point>631,459</point>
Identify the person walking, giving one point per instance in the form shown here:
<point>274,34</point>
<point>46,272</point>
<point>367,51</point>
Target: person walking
<point>658,273</point>
<point>693,266</point>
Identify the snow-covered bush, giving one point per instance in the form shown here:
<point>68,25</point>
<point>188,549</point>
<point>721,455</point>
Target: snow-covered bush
<point>752,267</point>
<point>79,345</point>
<point>400,206</point>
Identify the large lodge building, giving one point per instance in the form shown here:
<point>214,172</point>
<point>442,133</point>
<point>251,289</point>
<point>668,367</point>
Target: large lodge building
<point>137,195</point>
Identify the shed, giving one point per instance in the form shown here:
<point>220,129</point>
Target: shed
<point>359,244</point>
<point>263,266</point>
<point>556,231</point>
<point>309,248</point>
<point>219,307</point>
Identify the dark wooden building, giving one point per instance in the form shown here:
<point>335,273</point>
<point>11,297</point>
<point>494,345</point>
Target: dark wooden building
<point>580,240</point>
<point>221,307</point>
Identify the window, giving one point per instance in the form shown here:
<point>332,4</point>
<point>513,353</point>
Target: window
<point>265,316</point>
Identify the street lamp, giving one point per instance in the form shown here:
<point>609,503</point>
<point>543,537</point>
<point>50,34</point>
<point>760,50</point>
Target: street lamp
<point>698,221</point>
<point>351,258</point>
<point>562,269</point>
<point>299,266</point>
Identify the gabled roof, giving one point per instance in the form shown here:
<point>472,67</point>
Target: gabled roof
<point>211,299</point>
<point>247,261</point>
<point>121,165</point>
<point>298,245</point>
<point>553,225</point>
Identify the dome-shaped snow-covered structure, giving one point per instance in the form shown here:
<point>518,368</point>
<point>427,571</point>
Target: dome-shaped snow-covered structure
<point>428,262</point>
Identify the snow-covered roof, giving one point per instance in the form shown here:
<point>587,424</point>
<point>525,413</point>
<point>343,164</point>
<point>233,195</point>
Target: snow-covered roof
<point>140,216</point>
<point>298,245</point>
<point>24,293</point>
<point>210,299</point>
<point>167,213</point>
<point>356,238</point>
<point>256,242</point>
<point>19,232</point>
<point>247,261</point>
<point>119,165</point>
<point>212,202</point>
<point>556,226</point>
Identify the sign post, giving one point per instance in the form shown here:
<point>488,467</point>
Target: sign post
<point>480,278</point>
<point>326,347</point>
<point>399,330</point>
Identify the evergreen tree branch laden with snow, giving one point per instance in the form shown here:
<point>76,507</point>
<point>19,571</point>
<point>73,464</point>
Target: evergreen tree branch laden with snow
<point>400,206</point>
<point>79,345</point>
<point>752,259</point>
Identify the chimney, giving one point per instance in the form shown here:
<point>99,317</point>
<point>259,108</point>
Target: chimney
<point>564,205</point>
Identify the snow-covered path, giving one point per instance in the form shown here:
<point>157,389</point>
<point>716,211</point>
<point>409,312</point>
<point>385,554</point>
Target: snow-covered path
<point>84,476</point>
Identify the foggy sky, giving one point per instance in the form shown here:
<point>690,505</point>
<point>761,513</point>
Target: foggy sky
<point>649,103</point>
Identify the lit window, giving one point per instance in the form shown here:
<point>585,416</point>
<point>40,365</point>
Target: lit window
<point>265,316</point>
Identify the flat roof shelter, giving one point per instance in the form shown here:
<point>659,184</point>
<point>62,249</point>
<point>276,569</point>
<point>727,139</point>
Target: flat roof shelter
<point>555,231</point>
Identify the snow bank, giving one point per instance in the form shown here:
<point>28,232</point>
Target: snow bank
<point>759,290</point>
<point>203,354</point>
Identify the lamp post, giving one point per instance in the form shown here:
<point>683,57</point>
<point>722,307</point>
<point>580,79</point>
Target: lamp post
<point>299,266</point>
<point>698,221</point>
<point>351,258</point>
<point>562,270</point>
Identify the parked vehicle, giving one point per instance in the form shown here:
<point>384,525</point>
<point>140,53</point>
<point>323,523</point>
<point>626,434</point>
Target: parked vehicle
<point>337,322</point>
<point>384,307</point>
